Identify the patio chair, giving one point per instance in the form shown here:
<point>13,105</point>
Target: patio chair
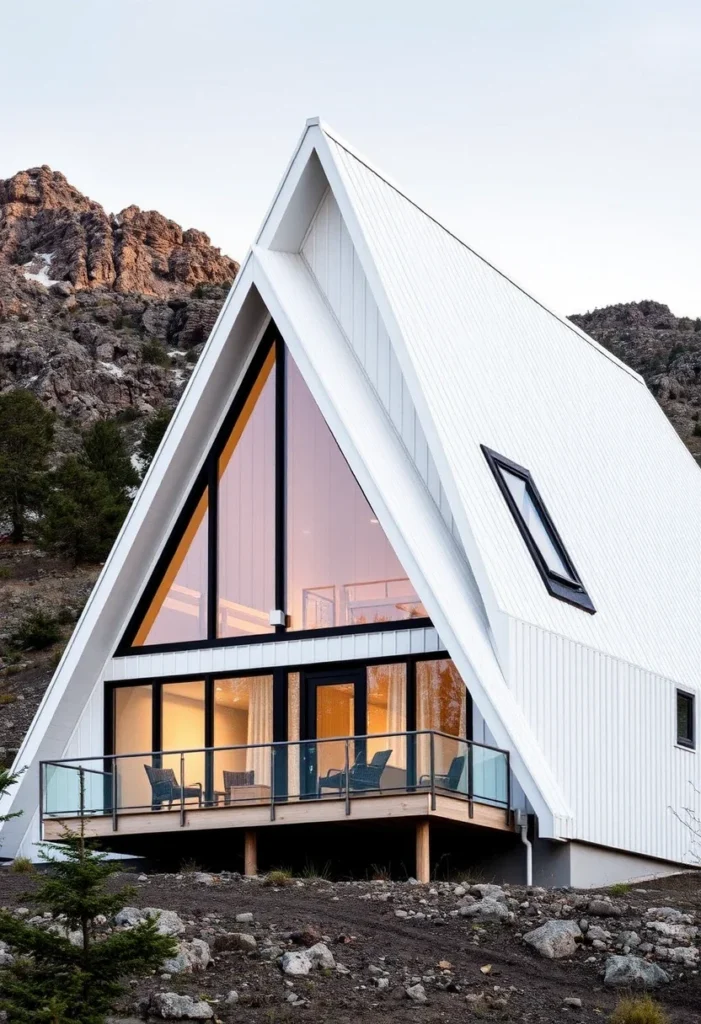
<point>165,789</point>
<point>362,776</point>
<point>234,779</point>
<point>451,780</point>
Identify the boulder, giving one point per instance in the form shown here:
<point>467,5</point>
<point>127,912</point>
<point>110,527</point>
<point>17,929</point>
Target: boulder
<point>554,939</point>
<point>321,956</point>
<point>235,940</point>
<point>168,922</point>
<point>603,908</point>
<point>296,964</point>
<point>245,918</point>
<point>232,998</point>
<point>417,993</point>
<point>483,889</point>
<point>633,972</point>
<point>171,1006</point>
<point>6,957</point>
<point>681,932</point>
<point>487,910</point>
<point>191,956</point>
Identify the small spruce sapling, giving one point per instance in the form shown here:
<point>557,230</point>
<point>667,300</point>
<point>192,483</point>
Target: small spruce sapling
<point>58,981</point>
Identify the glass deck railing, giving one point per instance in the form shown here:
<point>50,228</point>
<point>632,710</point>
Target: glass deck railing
<point>343,768</point>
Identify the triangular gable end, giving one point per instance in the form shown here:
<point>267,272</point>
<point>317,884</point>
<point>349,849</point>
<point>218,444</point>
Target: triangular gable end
<point>221,575</point>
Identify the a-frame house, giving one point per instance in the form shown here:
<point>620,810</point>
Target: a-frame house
<point>416,558</point>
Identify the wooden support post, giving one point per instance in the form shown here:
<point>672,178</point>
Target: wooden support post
<point>250,852</point>
<point>423,852</point>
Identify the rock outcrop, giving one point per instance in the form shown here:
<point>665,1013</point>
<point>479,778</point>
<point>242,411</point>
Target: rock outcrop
<point>55,233</point>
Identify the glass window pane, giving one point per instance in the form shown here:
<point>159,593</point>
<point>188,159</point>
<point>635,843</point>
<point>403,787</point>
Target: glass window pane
<point>685,718</point>
<point>178,612</point>
<point>533,520</point>
<point>183,730</point>
<point>441,706</point>
<point>341,569</point>
<point>243,717</point>
<point>387,714</point>
<point>246,514</point>
<point>133,735</point>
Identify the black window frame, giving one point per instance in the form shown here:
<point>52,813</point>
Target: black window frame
<point>688,742</point>
<point>571,590</point>
<point>207,482</point>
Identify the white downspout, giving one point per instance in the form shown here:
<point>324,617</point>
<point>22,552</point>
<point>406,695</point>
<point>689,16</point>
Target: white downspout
<point>522,826</point>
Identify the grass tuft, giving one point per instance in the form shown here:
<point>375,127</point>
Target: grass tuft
<point>619,888</point>
<point>278,878</point>
<point>640,1010</point>
<point>22,866</point>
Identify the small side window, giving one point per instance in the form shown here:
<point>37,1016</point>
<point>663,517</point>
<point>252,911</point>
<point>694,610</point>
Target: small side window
<point>686,714</point>
<point>538,531</point>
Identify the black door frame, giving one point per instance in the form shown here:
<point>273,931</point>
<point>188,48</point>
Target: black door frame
<point>310,681</point>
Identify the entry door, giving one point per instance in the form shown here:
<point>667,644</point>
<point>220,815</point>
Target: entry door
<point>335,708</point>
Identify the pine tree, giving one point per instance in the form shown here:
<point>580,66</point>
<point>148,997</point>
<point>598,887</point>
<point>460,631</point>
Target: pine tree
<point>8,778</point>
<point>154,430</point>
<point>82,513</point>
<point>26,433</point>
<point>58,981</point>
<point>105,452</point>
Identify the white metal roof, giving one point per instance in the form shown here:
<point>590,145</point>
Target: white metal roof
<point>488,364</point>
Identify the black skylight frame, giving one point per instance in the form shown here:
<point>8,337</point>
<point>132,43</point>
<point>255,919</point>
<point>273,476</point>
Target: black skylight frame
<point>571,590</point>
<point>688,739</point>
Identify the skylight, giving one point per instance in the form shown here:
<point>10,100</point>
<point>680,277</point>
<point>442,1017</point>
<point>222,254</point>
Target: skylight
<point>538,531</point>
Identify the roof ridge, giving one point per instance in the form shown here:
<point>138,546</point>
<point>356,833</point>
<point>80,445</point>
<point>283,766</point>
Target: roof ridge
<point>396,188</point>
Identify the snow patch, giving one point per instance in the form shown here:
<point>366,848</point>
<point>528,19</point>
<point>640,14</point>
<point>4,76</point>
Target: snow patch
<point>113,369</point>
<point>42,274</point>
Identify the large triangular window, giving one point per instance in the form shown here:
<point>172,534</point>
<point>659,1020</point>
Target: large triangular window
<point>277,536</point>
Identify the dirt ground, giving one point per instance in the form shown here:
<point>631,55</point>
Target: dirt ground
<point>455,959</point>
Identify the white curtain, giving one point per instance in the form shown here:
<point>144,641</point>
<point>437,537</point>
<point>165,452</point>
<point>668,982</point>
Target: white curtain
<point>260,729</point>
<point>396,713</point>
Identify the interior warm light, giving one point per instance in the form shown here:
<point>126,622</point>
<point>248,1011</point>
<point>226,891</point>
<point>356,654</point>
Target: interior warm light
<point>374,520</point>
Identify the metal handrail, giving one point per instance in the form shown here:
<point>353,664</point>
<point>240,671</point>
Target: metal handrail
<point>276,748</point>
<point>275,743</point>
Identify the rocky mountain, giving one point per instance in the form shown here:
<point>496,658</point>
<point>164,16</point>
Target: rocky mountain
<point>664,349</point>
<point>100,314</point>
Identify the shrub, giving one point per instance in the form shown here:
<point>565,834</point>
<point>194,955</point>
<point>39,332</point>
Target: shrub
<point>278,878</point>
<point>5,572</point>
<point>7,698</point>
<point>54,981</point>
<point>697,430</point>
<point>642,1010</point>
<point>21,866</point>
<point>154,430</point>
<point>153,352</point>
<point>38,631</point>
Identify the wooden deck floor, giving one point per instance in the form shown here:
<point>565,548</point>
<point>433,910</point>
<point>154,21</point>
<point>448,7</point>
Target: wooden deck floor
<point>383,806</point>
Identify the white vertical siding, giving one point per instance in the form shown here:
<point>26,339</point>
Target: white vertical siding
<point>329,253</point>
<point>608,730</point>
<point>314,650</point>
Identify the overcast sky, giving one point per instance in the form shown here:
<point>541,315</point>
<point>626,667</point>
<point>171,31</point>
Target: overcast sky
<point>559,138</point>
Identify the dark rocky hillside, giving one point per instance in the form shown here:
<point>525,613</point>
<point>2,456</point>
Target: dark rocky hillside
<point>664,349</point>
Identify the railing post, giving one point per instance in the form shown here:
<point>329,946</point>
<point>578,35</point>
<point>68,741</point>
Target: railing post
<point>42,769</point>
<point>182,790</point>
<point>508,788</point>
<point>81,776</point>
<point>347,779</point>
<point>272,782</point>
<point>432,769</point>
<point>470,780</point>
<point>114,794</point>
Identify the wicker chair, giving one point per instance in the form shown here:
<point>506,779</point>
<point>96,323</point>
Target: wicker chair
<point>165,789</point>
<point>234,779</point>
